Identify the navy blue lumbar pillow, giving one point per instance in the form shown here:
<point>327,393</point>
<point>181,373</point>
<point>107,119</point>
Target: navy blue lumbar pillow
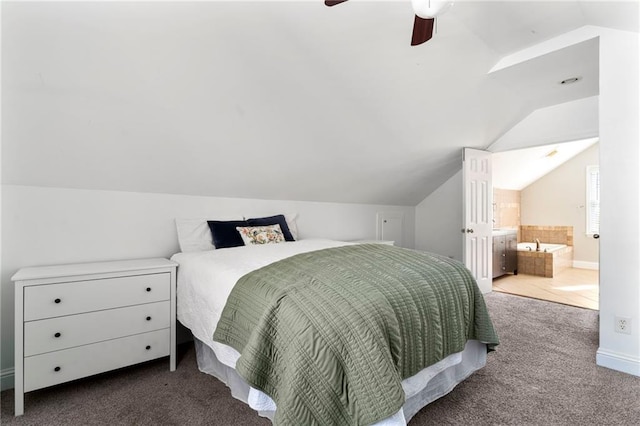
<point>273,220</point>
<point>225,234</point>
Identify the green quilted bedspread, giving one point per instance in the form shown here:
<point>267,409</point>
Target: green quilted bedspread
<point>330,334</point>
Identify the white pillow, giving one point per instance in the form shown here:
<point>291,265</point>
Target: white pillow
<point>290,218</point>
<point>195,234</point>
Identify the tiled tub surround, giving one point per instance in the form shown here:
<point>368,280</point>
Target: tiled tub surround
<point>546,264</point>
<point>547,234</point>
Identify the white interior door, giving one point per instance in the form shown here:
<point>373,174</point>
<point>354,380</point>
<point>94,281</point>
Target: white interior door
<point>391,227</point>
<point>478,224</point>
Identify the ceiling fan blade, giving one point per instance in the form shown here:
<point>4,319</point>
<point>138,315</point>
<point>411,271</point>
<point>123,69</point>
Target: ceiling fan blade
<point>333,3</point>
<point>422,30</point>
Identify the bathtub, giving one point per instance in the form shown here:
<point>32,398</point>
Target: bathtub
<point>548,262</point>
<point>544,247</point>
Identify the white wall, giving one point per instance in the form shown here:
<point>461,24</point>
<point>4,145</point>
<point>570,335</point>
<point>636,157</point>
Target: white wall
<point>42,226</point>
<point>558,199</point>
<point>620,199</point>
<point>439,218</point>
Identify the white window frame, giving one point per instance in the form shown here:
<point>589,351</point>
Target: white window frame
<point>592,205</point>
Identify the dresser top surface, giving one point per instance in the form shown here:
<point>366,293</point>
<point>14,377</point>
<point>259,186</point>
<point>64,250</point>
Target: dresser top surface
<point>90,268</point>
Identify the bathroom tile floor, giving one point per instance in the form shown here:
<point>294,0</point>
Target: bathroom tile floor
<point>576,287</point>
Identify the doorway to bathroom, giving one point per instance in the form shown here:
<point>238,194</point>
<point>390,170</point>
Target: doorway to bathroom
<point>541,195</point>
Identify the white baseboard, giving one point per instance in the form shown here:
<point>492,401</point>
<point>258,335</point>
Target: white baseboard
<point>618,362</point>
<point>580,264</point>
<point>7,379</point>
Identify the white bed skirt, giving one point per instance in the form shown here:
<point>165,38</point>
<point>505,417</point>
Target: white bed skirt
<point>428,385</point>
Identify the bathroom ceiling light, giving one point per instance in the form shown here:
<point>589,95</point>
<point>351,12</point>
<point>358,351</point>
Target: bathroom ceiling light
<point>571,80</point>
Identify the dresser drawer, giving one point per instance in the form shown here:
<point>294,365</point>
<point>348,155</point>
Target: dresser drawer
<point>76,330</point>
<point>70,364</point>
<point>54,300</point>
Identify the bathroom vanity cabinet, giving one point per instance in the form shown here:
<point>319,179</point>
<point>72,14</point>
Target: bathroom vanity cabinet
<point>505,252</point>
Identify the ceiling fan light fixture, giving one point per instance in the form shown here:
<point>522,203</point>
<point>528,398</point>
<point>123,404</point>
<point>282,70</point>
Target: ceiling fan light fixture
<point>427,9</point>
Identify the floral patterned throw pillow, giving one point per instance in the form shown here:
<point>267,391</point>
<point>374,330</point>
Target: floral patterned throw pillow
<point>271,234</point>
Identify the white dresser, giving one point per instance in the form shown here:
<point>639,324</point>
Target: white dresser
<point>72,321</point>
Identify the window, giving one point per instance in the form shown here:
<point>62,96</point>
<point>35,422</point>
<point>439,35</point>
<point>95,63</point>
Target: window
<point>593,200</point>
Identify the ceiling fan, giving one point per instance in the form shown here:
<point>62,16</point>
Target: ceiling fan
<point>426,12</point>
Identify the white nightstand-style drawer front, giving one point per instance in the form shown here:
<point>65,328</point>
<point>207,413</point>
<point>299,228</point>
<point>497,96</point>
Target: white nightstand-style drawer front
<point>62,366</point>
<point>54,300</point>
<point>75,330</point>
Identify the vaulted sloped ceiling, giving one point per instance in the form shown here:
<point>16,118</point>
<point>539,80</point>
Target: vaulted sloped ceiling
<point>273,100</point>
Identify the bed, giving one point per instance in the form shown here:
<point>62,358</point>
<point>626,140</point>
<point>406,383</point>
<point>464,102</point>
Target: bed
<point>264,340</point>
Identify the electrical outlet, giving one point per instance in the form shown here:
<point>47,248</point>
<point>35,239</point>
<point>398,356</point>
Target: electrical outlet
<point>622,325</point>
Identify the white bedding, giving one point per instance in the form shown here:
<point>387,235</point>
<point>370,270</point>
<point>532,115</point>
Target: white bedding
<point>205,280</point>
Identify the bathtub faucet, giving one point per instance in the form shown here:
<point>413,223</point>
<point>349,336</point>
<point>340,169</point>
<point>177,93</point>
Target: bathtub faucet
<point>537,244</point>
